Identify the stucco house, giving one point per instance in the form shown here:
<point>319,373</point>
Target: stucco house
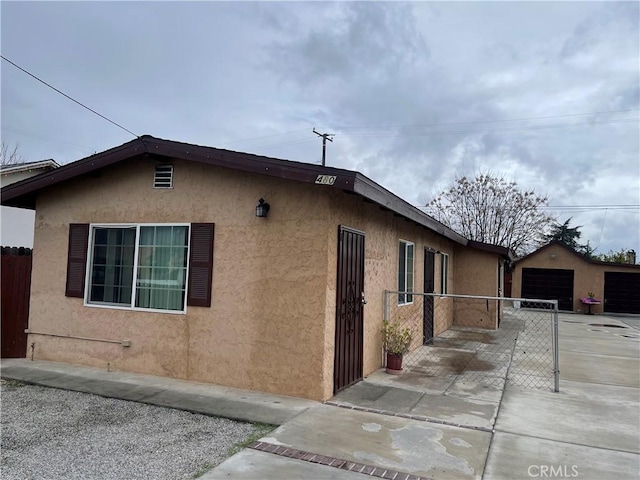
<point>557,272</point>
<point>216,266</point>
<point>16,227</point>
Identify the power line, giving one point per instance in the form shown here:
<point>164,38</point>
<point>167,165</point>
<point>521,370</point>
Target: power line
<point>494,130</point>
<point>593,207</point>
<point>486,121</point>
<point>264,136</point>
<point>67,96</point>
<point>294,142</point>
<point>596,205</point>
<point>602,228</point>
<point>45,137</point>
<point>435,125</point>
<point>460,123</point>
<point>572,208</point>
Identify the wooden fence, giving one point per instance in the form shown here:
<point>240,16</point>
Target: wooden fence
<point>15,289</point>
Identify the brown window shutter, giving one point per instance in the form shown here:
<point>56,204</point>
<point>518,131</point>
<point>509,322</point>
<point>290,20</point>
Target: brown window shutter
<point>200,265</point>
<point>77,259</point>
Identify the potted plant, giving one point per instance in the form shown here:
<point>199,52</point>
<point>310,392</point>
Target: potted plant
<point>591,295</point>
<point>396,341</point>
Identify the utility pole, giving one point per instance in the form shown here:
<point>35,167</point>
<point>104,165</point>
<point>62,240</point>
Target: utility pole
<point>325,137</point>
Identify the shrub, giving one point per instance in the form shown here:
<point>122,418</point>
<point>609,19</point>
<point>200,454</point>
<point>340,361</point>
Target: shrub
<point>396,339</point>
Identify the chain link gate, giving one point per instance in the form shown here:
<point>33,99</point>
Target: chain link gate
<point>521,351</point>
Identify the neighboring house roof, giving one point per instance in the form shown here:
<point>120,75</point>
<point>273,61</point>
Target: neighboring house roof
<point>16,172</point>
<point>48,164</point>
<point>23,194</point>
<point>489,247</point>
<point>577,254</point>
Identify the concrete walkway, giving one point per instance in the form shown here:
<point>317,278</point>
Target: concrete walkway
<point>203,398</point>
<point>425,428</point>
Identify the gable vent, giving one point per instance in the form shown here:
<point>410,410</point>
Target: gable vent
<point>163,177</point>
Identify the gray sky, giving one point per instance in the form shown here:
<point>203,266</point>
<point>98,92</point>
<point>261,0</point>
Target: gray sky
<point>415,93</point>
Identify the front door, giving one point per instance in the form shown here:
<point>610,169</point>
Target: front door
<point>349,312</point>
<point>429,287</point>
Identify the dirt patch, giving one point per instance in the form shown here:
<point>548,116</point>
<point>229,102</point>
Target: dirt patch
<point>460,365</point>
<point>480,337</point>
<point>452,363</point>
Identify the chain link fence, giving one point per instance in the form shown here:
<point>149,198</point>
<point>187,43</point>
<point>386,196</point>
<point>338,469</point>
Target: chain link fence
<point>482,340</point>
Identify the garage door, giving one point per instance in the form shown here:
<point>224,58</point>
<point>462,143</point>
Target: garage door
<point>549,284</point>
<point>621,292</point>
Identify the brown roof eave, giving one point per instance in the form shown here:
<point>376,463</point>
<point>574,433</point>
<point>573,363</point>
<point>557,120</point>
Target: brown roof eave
<point>371,190</point>
<point>246,162</point>
<point>489,247</point>
<point>22,194</point>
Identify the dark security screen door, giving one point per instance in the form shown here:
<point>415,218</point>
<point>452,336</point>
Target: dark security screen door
<point>349,303</point>
<point>429,287</point>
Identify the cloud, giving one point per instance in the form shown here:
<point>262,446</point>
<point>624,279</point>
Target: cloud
<point>416,93</point>
<point>351,41</point>
<point>369,86</point>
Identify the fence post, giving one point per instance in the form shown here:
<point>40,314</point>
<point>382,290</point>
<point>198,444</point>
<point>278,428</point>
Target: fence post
<point>556,350</point>
<point>385,317</point>
<point>385,313</point>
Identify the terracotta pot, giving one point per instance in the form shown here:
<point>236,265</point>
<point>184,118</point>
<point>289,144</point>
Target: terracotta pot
<point>394,363</point>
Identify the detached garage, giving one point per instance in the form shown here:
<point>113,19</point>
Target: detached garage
<point>556,272</point>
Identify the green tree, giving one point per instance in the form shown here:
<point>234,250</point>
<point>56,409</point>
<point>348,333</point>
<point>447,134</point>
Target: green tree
<point>563,232</point>
<point>491,209</point>
<point>620,256</point>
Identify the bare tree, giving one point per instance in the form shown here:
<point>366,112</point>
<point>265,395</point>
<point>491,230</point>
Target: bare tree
<point>10,156</point>
<point>491,209</point>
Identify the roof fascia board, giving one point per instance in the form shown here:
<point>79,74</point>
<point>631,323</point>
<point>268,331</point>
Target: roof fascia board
<point>24,192</point>
<point>489,247</point>
<point>371,190</point>
<point>26,187</point>
<point>286,169</point>
<point>577,254</point>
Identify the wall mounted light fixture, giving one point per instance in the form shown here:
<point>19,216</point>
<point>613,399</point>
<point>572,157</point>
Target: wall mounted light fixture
<point>262,209</point>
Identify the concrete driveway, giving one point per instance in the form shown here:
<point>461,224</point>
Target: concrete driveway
<point>589,430</point>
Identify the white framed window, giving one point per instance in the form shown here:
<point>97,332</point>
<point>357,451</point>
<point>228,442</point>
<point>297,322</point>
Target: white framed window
<point>405,272</point>
<point>138,266</point>
<point>444,273</point>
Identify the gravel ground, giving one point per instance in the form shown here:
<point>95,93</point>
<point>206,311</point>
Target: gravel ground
<point>57,434</point>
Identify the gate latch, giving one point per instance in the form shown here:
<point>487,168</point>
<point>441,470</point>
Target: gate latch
<point>362,300</point>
